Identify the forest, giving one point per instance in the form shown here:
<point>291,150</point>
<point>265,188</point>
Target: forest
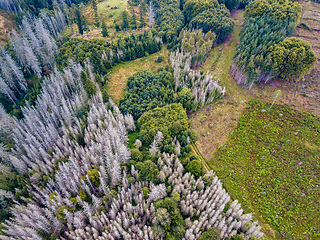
<point>78,161</point>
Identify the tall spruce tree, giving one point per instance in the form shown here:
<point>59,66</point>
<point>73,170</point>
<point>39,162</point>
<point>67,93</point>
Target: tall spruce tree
<point>125,22</point>
<point>104,29</point>
<point>142,12</point>
<point>79,20</point>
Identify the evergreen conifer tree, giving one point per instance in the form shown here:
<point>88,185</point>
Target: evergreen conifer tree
<point>96,60</point>
<point>104,29</point>
<point>79,21</point>
<point>142,12</point>
<point>125,22</point>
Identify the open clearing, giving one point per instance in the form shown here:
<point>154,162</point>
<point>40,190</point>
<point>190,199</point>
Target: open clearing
<point>271,165</point>
<point>120,73</point>
<point>110,12</point>
<point>106,8</point>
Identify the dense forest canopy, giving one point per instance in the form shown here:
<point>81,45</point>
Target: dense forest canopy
<point>284,10</point>
<point>147,91</point>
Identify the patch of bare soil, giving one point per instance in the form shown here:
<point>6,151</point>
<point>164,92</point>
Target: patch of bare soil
<point>7,23</point>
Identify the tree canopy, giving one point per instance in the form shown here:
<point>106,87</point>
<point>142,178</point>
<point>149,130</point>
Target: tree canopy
<point>216,20</point>
<point>196,168</point>
<point>170,120</point>
<point>284,10</point>
<point>268,24</point>
<point>146,91</point>
<point>212,234</point>
<point>293,57</point>
<point>148,171</point>
<point>193,7</point>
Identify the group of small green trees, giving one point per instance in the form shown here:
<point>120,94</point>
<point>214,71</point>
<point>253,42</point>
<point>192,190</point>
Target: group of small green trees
<point>76,15</point>
<point>264,51</point>
<point>146,91</point>
<point>171,120</point>
<point>197,44</point>
<point>169,217</point>
<point>163,130</point>
<point>209,16</point>
<point>293,58</point>
<point>80,20</point>
<point>169,18</point>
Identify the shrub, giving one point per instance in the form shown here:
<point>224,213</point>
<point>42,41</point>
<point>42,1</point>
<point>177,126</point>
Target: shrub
<point>145,191</point>
<point>196,168</point>
<point>136,155</point>
<point>212,234</point>
<point>159,59</point>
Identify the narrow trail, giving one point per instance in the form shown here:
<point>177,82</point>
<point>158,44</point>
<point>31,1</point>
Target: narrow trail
<point>201,158</point>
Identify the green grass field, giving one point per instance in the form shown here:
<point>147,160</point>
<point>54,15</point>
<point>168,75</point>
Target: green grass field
<point>271,165</point>
<point>107,11</point>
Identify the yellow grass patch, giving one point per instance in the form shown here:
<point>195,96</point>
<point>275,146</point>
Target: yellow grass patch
<point>120,73</point>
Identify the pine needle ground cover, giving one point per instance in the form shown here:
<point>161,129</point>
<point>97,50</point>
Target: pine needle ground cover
<point>271,164</point>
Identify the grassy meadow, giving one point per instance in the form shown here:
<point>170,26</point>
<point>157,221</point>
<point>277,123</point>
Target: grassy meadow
<point>271,164</point>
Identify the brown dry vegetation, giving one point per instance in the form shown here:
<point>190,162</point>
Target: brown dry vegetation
<point>7,23</point>
<point>309,30</point>
<point>215,122</point>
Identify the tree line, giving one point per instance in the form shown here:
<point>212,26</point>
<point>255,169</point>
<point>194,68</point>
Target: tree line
<point>103,55</point>
<point>35,6</point>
